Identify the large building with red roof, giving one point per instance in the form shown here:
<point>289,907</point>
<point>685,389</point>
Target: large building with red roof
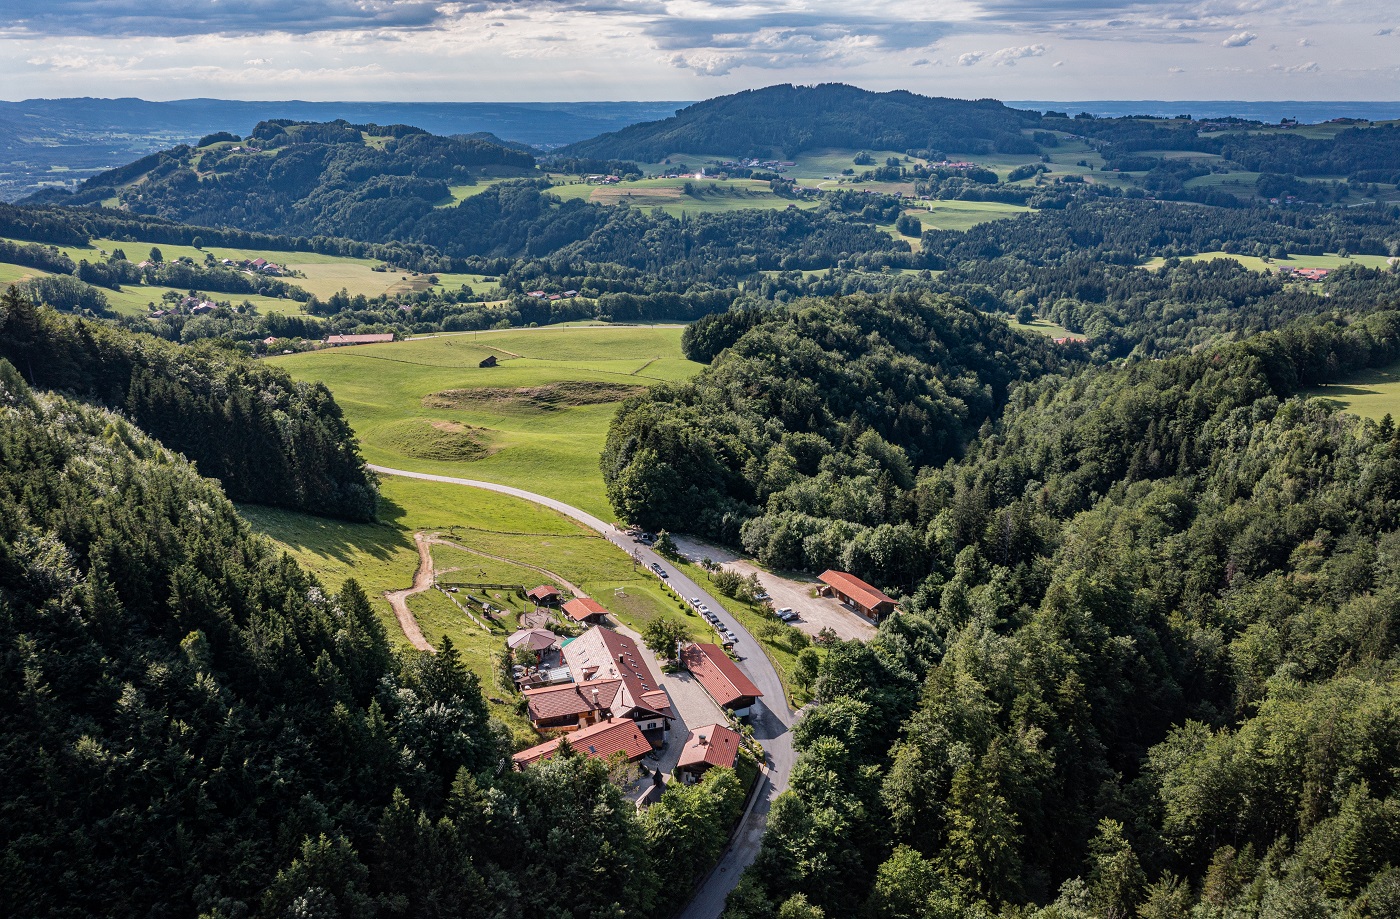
<point>598,741</point>
<point>707,747</point>
<point>585,609</point>
<point>721,677</point>
<point>601,654</point>
<point>855,593</point>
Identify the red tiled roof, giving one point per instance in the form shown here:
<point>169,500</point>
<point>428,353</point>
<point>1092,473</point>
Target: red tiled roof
<point>608,654</point>
<point>582,608</point>
<point>855,588</point>
<point>570,699</point>
<point>543,592</point>
<point>720,676</point>
<point>711,745</point>
<point>599,741</point>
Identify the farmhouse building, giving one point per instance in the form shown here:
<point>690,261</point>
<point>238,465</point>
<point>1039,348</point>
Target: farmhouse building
<point>707,747</point>
<point>572,705</point>
<point>544,595</point>
<point>857,594</point>
<point>721,677</point>
<point>598,741</point>
<point>584,609</point>
<point>602,654</point>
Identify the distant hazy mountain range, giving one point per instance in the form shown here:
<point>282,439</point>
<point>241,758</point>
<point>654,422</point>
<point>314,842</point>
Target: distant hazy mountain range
<point>63,141</point>
<point>1272,112</point>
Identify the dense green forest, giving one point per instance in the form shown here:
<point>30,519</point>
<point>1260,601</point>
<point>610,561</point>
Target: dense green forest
<point>786,120</point>
<point>267,439</point>
<point>193,726</point>
<point>849,395</point>
<point>1145,662</point>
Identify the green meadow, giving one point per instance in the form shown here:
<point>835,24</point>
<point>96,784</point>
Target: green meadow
<point>1042,327</point>
<point>962,215</point>
<point>536,421</point>
<point>1255,263</point>
<point>1370,393</point>
<point>322,275</point>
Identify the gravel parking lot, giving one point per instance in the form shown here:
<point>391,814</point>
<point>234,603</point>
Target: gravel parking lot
<point>796,592</point>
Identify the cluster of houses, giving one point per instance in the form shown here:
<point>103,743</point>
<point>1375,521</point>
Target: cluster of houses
<point>1307,274</point>
<point>602,180</point>
<point>598,691</point>
<point>255,265</point>
<point>771,165</point>
<point>541,295</point>
<point>194,306</point>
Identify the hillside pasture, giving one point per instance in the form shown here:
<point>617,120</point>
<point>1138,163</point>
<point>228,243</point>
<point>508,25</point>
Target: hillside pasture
<point>1371,393</point>
<point>1255,263</point>
<point>536,421</point>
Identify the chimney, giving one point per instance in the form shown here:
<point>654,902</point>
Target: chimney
<point>703,741</point>
<point>595,698</point>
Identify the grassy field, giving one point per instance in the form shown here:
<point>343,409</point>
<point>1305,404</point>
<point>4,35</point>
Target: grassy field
<point>1042,327</point>
<point>1255,263</point>
<point>961,215</point>
<point>536,421</point>
<point>523,536</point>
<point>324,274</point>
<point>1370,394</point>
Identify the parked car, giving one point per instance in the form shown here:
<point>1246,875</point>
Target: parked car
<point>762,597</point>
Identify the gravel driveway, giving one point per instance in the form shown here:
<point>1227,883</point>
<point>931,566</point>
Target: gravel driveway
<point>793,591</point>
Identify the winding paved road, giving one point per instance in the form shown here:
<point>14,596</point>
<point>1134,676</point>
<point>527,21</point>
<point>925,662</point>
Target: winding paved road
<point>771,726</point>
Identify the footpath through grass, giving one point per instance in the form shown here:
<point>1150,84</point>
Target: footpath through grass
<point>536,421</point>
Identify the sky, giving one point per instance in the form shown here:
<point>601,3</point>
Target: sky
<point>577,50</point>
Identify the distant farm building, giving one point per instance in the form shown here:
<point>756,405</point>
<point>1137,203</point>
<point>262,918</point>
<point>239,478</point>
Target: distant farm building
<point>857,594</point>
<point>490,361</point>
<point>598,741</point>
<point>721,677</point>
<point>337,341</point>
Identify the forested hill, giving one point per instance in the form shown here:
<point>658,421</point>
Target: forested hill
<point>335,179</point>
<point>1146,660</point>
<point>786,120</point>
<point>266,439</point>
<point>852,394</point>
<point>190,725</point>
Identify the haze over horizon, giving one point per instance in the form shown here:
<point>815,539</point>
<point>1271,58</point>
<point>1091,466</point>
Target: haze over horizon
<point>580,50</point>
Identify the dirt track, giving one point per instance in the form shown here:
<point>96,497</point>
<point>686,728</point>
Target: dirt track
<point>398,599</point>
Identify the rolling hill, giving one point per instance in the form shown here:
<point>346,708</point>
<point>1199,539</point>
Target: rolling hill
<point>789,119</point>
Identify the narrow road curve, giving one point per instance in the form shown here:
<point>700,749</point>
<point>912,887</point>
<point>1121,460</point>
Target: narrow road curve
<point>398,599</point>
<point>771,726</point>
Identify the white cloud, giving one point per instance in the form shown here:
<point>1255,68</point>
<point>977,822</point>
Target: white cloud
<point>1239,39</point>
<point>1175,70</point>
<point>1305,43</point>
<point>1309,67</point>
<point>1006,57</point>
